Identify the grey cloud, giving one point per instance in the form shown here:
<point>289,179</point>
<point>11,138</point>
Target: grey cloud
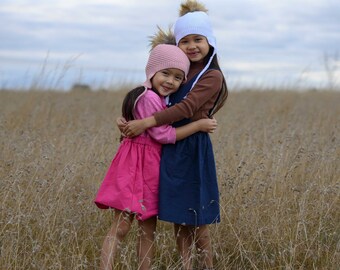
<point>260,35</point>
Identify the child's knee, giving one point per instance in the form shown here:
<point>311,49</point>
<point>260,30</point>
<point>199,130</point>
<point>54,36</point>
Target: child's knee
<point>123,222</point>
<point>122,229</point>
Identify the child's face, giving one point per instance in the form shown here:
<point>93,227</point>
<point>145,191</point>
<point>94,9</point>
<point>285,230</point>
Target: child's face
<point>167,81</point>
<point>196,47</point>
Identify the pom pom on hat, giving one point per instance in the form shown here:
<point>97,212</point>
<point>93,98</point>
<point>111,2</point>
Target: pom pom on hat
<point>162,37</point>
<point>191,6</point>
<point>165,56</point>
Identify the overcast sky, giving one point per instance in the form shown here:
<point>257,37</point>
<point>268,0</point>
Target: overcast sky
<point>106,42</point>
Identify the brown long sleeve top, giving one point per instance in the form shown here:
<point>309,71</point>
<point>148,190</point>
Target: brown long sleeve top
<point>199,100</point>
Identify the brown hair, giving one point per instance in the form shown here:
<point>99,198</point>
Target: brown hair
<point>223,94</point>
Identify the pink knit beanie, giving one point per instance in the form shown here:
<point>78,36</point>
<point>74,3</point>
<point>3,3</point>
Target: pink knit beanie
<point>165,56</point>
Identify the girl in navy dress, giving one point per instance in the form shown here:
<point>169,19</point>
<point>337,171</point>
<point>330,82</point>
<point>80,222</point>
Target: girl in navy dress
<point>189,195</point>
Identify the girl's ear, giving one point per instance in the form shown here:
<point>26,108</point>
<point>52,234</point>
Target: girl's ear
<point>162,37</point>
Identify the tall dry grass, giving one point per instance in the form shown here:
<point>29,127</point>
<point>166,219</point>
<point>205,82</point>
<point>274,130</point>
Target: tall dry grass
<point>277,157</point>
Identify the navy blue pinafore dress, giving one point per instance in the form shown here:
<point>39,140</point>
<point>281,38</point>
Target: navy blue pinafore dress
<point>188,192</point>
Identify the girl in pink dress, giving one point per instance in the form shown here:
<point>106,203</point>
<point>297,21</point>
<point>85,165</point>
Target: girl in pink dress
<point>130,186</point>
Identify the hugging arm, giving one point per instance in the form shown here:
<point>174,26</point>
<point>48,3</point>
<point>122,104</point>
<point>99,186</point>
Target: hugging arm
<point>204,125</point>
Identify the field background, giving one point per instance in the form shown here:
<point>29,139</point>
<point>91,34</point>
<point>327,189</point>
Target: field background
<point>277,157</point>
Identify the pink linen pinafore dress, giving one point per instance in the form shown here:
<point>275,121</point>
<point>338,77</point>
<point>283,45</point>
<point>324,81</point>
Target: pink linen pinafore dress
<point>132,181</point>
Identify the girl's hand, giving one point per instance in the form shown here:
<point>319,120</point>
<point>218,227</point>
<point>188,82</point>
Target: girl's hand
<point>207,125</point>
<point>134,128</point>
<point>121,124</point>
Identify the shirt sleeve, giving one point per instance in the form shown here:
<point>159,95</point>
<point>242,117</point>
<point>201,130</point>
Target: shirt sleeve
<point>205,90</point>
<point>147,106</point>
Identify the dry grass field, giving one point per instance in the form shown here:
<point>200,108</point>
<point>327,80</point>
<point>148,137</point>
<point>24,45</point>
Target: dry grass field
<point>278,163</point>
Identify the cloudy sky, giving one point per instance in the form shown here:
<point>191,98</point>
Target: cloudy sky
<point>261,43</point>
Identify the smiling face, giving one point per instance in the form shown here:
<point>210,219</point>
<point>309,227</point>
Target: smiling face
<point>167,81</point>
<point>196,47</point>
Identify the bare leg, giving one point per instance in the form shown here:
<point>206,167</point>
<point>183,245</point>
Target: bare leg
<point>184,239</point>
<point>204,248</point>
<point>120,227</point>
<point>145,248</point>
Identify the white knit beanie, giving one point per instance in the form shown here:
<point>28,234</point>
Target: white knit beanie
<point>165,56</point>
<point>198,23</point>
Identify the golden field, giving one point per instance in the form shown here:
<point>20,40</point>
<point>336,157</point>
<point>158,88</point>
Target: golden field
<point>277,156</point>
